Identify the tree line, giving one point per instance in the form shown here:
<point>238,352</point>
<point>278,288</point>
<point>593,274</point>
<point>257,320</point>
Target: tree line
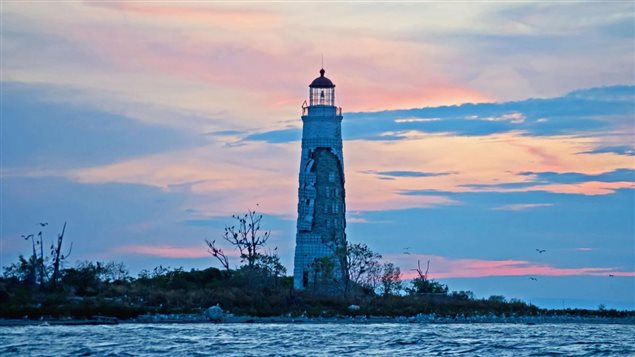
<point>46,285</point>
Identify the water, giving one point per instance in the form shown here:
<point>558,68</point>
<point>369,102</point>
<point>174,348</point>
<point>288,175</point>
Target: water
<point>319,340</point>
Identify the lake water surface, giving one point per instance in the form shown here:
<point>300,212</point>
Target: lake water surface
<point>319,339</point>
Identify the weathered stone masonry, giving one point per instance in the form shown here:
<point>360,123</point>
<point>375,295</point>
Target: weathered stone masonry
<point>321,196</point>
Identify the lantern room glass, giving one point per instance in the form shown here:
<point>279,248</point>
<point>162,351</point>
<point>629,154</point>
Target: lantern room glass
<point>322,96</point>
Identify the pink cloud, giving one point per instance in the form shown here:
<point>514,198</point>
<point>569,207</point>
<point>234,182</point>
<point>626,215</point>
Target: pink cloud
<point>217,15</point>
<point>442,267</point>
<point>165,251</point>
<point>275,72</point>
<point>549,160</point>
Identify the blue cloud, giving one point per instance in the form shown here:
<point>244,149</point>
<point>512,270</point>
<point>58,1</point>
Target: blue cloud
<point>99,215</point>
<point>409,173</point>
<point>277,136</point>
<point>543,178</point>
<point>474,229</point>
<point>225,133</point>
<point>621,150</point>
<point>579,112</point>
<point>269,221</point>
<point>36,132</point>
<point>574,177</point>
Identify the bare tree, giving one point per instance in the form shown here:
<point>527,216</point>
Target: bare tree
<point>423,285</point>
<point>40,261</point>
<point>247,237</point>
<point>217,253</point>
<point>58,257</point>
<point>250,241</point>
<point>422,275</point>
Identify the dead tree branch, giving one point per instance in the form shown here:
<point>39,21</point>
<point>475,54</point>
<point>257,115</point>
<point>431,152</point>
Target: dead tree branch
<point>217,253</point>
<point>57,257</point>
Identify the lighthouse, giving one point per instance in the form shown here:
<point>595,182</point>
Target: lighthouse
<point>320,239</point>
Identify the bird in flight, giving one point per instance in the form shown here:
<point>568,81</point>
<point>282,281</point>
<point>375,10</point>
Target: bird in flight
<point>43,224</point>
<point>611,275</point>
<point>532,278</point>
<point>540,250</point>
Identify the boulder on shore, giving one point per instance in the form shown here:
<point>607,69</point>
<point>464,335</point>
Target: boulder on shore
<point>214,313</point>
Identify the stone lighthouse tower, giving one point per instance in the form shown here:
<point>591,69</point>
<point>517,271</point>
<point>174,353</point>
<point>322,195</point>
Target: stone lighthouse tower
<point>321,205</point>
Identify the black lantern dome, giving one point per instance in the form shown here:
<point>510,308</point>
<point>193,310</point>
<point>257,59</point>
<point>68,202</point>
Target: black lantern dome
<point>322,91</point>
<point>321,81</point>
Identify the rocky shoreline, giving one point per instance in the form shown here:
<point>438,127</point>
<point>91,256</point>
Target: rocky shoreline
<point>231,319</point>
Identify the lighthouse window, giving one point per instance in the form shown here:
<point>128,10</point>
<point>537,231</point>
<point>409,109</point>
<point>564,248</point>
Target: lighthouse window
<point>335,207</point>
<point>331,176</point>
<point>327,191</point>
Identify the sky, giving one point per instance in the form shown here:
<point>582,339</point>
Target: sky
<point>474,134</point>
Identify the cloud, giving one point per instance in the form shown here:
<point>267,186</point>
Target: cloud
<point>218,15</point>
<point>514,118</point>
<point>137,87</point>
<point>416,120</point>
<point>565,182</point>
<point>586,188</point>
<point>518,48</point>
<point>590,188</point>
<point>409,173</point>
<point>277,136</point>
<point>574,177</point>
<point>99,216</point>
<point>164,251</point>
<point>579,112</point>
<point>443,268</point>
<point>473,225</point>
<point>46,134</point>
<point>254,76</point>
<point>221,178</point>
<point>225,133</point>
<point>521,206</point>
<point>621,150</point>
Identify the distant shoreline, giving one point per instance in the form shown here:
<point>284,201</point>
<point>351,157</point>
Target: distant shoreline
<point>421,319</point>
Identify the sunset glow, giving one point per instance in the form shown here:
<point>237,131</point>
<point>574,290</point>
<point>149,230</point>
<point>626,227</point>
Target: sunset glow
<point>473,134</point>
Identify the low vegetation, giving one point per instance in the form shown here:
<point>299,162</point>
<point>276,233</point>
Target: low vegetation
<point>42,286</point>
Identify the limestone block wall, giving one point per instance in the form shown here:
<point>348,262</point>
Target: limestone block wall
<point>321,195</point>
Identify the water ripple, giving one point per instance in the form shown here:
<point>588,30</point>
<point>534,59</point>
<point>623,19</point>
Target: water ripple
<point>318,340</point>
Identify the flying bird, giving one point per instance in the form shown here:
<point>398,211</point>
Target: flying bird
<point>611,275</point>
<point>43,224</point>
<point>541,250</point>
<point>532,278</point>
<point>407,253</point>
